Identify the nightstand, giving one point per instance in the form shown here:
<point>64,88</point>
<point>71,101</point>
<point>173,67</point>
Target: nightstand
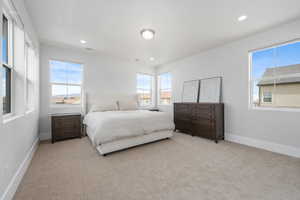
<point>66,126</point>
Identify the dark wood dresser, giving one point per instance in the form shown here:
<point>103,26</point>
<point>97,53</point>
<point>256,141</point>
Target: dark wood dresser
<point>200,119</point>
<point>66,126</point>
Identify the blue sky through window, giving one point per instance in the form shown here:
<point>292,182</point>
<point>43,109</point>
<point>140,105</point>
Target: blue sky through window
<point>4,39</point>
<point>165,81</point>
<point>65,73</point>
<point>144,83</point>
<point>4,51</point>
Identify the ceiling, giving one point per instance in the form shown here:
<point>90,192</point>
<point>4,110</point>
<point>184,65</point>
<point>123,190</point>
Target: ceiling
<point>183,27</point>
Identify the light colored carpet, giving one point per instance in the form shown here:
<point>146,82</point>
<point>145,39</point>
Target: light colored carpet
<point>183,168</point>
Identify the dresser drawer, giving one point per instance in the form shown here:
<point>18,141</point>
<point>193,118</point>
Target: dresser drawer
<point>197,115</point>
<point>184,126</point>
<point>182,111</point>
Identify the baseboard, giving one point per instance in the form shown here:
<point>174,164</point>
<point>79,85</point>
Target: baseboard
<point>261,144</point>
<point>45,136</point>
<point>14,183</point>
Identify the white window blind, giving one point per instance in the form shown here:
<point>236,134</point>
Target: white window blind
<point>18,69</point>
<point>31,69</point>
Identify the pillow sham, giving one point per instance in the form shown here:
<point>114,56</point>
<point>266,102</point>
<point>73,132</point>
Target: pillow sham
<point>127,105</point>
<point>104,107</point>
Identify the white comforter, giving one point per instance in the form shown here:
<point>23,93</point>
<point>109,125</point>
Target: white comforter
<point>108,126</point>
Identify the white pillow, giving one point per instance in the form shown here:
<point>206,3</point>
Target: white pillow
<point>127,105</point>
<point>104,107</point>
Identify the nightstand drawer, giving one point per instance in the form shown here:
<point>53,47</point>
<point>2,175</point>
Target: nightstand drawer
<point>60,134</point>
<point>67,122</point>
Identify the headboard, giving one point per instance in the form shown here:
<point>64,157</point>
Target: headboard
<point>90,99</point>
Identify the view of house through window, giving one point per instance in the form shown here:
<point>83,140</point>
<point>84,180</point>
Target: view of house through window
<point>144,89</point>
<point>275,76</point>
<point>164,88</point>
<point>66,80</point>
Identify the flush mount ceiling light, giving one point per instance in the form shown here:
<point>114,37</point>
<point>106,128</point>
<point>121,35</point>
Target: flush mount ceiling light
<point>82,41</point>
<point>148,34</point>
<point>242,18</point>
<point>151,59</point>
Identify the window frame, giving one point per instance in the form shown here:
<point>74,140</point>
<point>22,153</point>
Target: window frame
<point>151,90</point>
<point>10,64</point>
<point>50,84</point>
<point>251,80</point>
<point>159,89</point>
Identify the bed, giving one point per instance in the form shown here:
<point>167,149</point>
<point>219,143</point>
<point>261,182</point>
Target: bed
<point>111,131</point>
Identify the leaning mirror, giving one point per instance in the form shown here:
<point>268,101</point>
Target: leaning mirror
<point>210,90</point>
<point>190,91</point>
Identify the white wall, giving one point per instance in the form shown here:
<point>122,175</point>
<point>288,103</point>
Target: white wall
<point>18,135</point>
<point>103,75</point>
<point>231,62</point>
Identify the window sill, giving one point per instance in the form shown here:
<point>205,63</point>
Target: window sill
<point>275,109</point>
<point>29,111</point>
<point>65,106</point>
<point>10,117</point>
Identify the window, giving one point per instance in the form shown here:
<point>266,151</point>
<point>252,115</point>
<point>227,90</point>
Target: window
<point>66,80</point>
<point>30,64</point>
<point>165,89</point>
<point>144,89</point>
<point>275,76</point>
<point>6,69</point>
<point>267,97</point>
<point>18,66</point>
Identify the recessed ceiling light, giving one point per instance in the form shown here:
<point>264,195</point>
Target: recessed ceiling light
<point>242,18</point>
<point>148,34</point>
<point>151,59</point>
<point>82,41</point>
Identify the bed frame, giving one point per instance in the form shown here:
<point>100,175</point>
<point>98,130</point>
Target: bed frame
<point>122,144</point>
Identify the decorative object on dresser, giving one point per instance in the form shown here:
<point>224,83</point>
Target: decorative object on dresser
<point>66,126</point>
<point>203,90</point>
<point>200,119</point>
<point>190,91</point>
<point>210,90</point>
